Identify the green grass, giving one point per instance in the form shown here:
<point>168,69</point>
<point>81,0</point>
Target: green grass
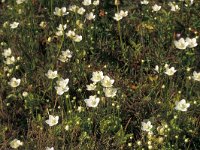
<point>126,51</point>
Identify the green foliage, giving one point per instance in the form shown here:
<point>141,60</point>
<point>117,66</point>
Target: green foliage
<point>126,51</point>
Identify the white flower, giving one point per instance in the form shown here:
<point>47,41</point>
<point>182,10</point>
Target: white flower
<point>43,24</point>
<point>66,55</point>
<point>170,71</point>
<point>25,94</point>
<point>173,6</point>
<point>53,120</point>
<point>81,11</point>
<point>157,69</point>
<point>67,127</point>
<point>62,82</point>
<point>156,7</point>
<point>144,2</point>
<point>73,8</point>
<point>7,52</point>
<point>95,3</point>
<point>97,76</point>
<point>79,109</point>
<point>87,2</point>
<point>49,148</point>
<point>15,143</point>
<point>90,16</point>
<point>14,82</point>
<point>74,36</point>
<point>60,11</point>
<point>60,90</point>
<point>62,86</point>
<point>93,101</point>
<point>61,29</point>
<point>182,105</point>
<point>107,82</point>
<point>51,74</point>
<point>91,87</point>
<point>146,126</point>
<point>14,25</point>
<point>191,42</point>
<point>10,60</point>
<point>123,13</point>
<point>20,1</point>
<point>196,76</point>
<point>77,38</point>
<point>71,34</point>
<point>117,16</point>
<point>181,43</point>
<point>110,92</point>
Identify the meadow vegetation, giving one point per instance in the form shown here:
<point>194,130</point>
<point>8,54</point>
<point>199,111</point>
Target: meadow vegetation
<point>99,74</point>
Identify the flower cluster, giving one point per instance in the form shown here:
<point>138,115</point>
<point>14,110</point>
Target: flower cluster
<point>65,56</point>
<point>120,15</point>
<point>61,28</point>
<point>62,86</point>
<point>105,81</point>
<point>184,43</point>
<point>75,37</point>
<point>15,143</point>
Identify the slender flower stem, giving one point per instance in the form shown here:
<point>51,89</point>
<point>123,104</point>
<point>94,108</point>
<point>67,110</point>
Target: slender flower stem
<point>120,33</point>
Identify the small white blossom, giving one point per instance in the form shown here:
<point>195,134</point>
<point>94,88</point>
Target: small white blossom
<point>78,38</point>
<point>65,56</point>
<point>157,69</point>
<point>191,42</point>
<point>14,25</point>
<point>71,34</point>
<point>62,87</point>
<point>73,8</point>
<point>15,143</point>
<point>93,101</point>
<point>90,16</point>
<point>87,2</point>
<point>146,126</point>
<point>144,2</point>
<point>91,87</point>
<point>25,94</point>
<point>7,52</point>
<point>95,3</point>
<point>20,1</point>
<point>196,76</point>
<point>14,82</point>
<point>52,74</point>
<point>49,148</point>
<point>107,82</point>
<point>10,60</point>
<point>181,43</point>
<point>117,17</point>
<point>156,8</point>
<point>97,76</point>
<point>123,13</point>
<point>81,11</point>
<point>53,120</point>
<point>173,6</point>
<point>182,105</point>
<point>110,92</point>
<point>43,24</point>
<point>60,11</point>
<point>170,71</point>
<point>67,127</point>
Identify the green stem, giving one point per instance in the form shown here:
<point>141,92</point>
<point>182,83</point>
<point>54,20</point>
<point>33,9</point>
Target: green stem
<point>119,30</point>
